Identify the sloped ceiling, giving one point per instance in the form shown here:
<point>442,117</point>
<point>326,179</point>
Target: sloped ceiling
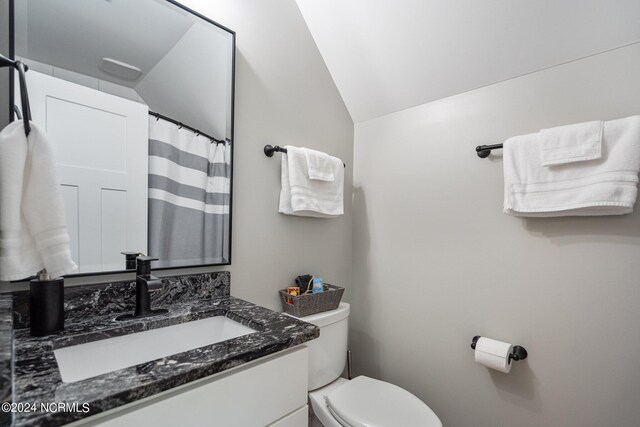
<point>388,55</point>
<point>76,35</point>
<point>185,61</point>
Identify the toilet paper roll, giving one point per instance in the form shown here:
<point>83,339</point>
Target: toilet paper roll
<point>493,354</point>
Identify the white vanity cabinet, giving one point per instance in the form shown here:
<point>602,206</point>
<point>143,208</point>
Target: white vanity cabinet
<point>270,391</point>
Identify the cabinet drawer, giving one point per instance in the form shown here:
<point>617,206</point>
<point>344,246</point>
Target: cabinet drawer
<point>299,418</point>
<point>255,394</point>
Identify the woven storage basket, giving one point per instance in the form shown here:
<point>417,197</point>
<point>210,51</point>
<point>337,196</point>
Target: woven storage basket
<point>306,305</point>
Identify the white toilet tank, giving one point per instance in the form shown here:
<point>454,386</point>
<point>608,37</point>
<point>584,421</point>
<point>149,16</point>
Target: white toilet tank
<point>328,353</point>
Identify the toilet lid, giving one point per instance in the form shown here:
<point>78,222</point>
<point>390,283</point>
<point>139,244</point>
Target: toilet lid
<point>365,402</point>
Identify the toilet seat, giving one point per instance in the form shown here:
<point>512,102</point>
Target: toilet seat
<point>365,402</point>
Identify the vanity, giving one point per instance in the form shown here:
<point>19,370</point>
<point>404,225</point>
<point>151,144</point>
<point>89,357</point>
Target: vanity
<point>136,100</point>
<point>253,371</point>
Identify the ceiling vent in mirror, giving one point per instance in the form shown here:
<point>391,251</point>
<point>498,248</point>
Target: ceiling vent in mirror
<point>120,69</point>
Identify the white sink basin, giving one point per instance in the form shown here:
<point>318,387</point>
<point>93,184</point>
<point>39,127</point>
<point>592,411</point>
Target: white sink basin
<point>88,360</point>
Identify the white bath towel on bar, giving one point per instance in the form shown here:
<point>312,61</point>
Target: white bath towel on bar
<point>319,165</point>
<point>33,232</point>
<point>571,143</point>
<point>604,186</point>
<point>302,196</point>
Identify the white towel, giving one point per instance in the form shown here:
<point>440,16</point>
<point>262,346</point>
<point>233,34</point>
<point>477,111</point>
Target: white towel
<point>302,196</point>
<point>605,186</point>
<point>571,143</point>
<point>319,165</point>
<point>33,233</point>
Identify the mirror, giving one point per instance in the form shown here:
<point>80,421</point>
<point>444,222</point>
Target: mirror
<point>136,98</point>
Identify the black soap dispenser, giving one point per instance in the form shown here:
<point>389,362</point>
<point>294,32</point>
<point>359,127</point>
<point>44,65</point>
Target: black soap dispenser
<point>46,305</point>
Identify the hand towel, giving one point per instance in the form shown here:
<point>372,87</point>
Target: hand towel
<point>604,186</point>
<point>302,196</point>
<point>33,233</point>
<point>319,165</point>
<point>572,143</point>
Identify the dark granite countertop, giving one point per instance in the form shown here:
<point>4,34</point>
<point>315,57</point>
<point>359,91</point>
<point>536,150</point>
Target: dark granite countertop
<point>36,377</point>
<point>6,355</point>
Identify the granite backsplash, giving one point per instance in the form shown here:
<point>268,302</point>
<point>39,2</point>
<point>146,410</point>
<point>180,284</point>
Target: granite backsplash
<point>120,297</point>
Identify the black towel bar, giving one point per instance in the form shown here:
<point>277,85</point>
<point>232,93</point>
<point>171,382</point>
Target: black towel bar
<point>270,149</point>
<point>484,150</point>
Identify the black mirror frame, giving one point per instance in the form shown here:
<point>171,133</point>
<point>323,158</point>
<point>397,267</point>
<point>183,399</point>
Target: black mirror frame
<point>233,91</point>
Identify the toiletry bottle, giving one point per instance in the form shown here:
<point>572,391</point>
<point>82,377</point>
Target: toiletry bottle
<point>318,285</point>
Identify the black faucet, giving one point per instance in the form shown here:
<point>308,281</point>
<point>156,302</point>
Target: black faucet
<point>130,258</point>
<point>145,282</point>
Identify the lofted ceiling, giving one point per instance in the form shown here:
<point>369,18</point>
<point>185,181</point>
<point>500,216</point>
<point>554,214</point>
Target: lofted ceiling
<point>386,56</point>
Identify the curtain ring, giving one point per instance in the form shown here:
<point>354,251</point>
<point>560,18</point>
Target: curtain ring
<point>180,125</point>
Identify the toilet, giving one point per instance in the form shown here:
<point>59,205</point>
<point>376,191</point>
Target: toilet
<point>362,401</point>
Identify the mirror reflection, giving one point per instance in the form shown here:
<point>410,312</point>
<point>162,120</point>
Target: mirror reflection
<point>140,115</point>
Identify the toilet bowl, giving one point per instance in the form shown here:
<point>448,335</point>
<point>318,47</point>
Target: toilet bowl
<point>360,402</point>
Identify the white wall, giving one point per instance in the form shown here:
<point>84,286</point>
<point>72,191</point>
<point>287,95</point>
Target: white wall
<point>284,95</point>
<point>436,262</point>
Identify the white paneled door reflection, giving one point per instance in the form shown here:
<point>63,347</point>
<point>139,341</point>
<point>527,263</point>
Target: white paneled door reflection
<point>101,147</point>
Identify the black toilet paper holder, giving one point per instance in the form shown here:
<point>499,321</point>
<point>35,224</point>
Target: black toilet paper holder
<point>519,352</point>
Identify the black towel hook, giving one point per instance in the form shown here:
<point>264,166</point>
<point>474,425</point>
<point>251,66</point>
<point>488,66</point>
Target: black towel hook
<point>22,68</point>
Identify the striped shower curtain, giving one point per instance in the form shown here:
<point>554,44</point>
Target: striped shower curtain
<point>189,191</point>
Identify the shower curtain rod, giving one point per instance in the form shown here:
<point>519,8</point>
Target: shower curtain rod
<point>192,129</point>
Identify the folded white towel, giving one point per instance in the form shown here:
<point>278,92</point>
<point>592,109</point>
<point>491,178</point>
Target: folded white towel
<point>571,143</point>
<point>319,165</point>
<point>33,233</point>
<point>302,196</point>
<point>604,186</point>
